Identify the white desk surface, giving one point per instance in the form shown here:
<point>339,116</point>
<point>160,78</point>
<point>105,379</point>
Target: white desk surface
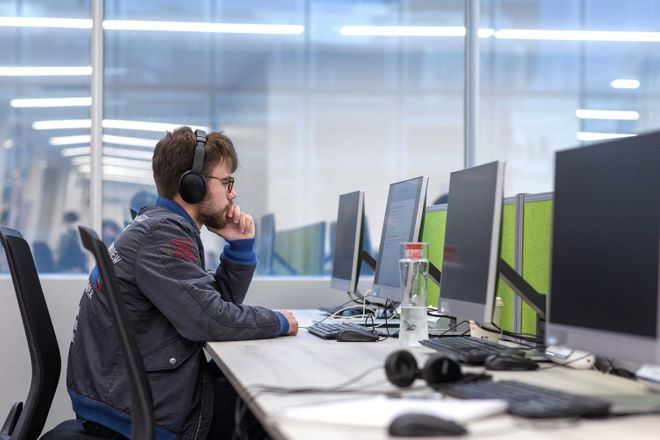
<point>306,360</point>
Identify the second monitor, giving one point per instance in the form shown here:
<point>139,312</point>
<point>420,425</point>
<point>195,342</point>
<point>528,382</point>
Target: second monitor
<point>472,242</point>
<point>406,201</point>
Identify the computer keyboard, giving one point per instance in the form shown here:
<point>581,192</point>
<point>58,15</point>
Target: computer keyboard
<point>531,401</point>
<point>329,330</point>
<point>466,349</point>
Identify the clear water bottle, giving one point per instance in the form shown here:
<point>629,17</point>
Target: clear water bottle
<point>414,268</point>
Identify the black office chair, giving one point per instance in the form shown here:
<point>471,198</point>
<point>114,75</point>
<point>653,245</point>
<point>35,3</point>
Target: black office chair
<point>26,420</point>
<point>142,419</point>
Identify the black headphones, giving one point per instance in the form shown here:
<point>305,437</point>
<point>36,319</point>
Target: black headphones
<point>401,369</point>
<point>192,185</point>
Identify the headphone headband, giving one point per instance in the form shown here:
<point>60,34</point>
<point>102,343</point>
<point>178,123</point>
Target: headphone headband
<point>200,144</point>
<point>192,186</point>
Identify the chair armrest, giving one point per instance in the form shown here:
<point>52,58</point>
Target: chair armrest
<point>12,419</point>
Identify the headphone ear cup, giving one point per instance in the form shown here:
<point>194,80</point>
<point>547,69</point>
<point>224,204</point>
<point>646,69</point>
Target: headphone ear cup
<point>441,369</point>
<point>192,187</point>
<point>401,368</point>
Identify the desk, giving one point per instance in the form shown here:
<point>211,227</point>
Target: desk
<point>306,360</point>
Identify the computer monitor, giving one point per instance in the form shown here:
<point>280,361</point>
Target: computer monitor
<point>348,242</point>
<point>472,242</point>
<point>403,223</point>
<point>604,292</point>
<point>266,244</point>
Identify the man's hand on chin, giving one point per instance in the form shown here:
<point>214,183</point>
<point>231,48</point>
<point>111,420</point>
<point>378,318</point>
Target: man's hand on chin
<point>239,225</point>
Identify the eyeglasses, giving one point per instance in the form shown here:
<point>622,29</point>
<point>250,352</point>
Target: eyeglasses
<point>226,181</point>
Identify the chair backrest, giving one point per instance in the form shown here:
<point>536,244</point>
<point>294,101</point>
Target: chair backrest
<point>42,343</point>
<point>142,420</point>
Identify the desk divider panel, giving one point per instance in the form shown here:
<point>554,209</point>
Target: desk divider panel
<point>507,253</point>
<point>536,250</point>
<point>435,220</point>
<point>301,249</point>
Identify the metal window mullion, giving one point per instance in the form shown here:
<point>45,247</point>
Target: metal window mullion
<point>96,144</point>
<point>471,90</point>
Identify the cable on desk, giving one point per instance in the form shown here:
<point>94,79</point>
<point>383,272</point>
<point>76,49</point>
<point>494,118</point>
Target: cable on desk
<point>452,328</point>
<point>527,337</point>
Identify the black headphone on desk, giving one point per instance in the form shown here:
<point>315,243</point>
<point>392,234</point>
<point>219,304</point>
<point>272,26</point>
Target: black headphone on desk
<point>401,369</point>
<point>192,185</point>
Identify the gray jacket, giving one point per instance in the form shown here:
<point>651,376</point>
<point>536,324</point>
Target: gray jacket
<point>175,306</point>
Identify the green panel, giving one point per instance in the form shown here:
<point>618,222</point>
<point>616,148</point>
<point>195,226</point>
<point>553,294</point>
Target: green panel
<point>434,234</point>
<point>507,249</point>
<point>536,254</point>
<point>302,248</point>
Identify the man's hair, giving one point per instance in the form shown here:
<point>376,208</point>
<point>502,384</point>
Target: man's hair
<point>174,155</point>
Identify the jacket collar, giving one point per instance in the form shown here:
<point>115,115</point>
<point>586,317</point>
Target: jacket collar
<point>173,206</point>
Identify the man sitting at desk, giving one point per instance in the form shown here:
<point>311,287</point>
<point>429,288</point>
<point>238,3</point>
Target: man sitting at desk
<point>175,306</point>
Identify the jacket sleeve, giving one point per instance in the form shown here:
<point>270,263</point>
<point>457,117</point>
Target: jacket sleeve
<point>234,273</point>
<point>167,272</point>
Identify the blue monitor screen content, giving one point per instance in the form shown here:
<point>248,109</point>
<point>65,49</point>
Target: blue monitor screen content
<point>472,242</point>
<point>346,259</point>
<point>402,223</point>
<point>605,246</point>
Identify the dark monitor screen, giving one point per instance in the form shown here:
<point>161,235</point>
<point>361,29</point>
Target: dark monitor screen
<point>472,242</point>
<point>605,241</point>
<point>348,233</point>
<point>402,223</point>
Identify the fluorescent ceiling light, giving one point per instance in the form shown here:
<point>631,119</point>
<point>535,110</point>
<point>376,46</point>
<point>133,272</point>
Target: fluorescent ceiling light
<point>126,140</point>
<point>62,124</point>
<point>595,136</point>
<point>625,84</point>
<point>45,71</point>
<point>145,126</point>
<point>116,174</point>
<point>205,27</point>
<point>109,151</point>
<point>75,151</point>
<point>107,138</point>
<point>51,102</point>
<point>131,154</point>
<point>607,114</point>
<point>115,161</point>
<point>111,123</point>
<point>409,31</point>
<point>568,35</point>
<point>70,140</point>
<point>162,26</point>
<point>44,22</point>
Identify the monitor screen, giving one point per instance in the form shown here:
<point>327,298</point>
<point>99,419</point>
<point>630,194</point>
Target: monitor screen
<point>472,242</point>
<point>605,241</point>
<point>402,223</point>
<point>348,233</point>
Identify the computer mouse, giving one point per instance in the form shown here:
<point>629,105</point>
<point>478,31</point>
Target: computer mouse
<point>423,425</point>
<point>474,356</point>
<point>356,335</point>
<point>509,363</point>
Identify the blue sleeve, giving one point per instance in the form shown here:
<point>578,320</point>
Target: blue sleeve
<point>241,251</point>
<point>284,324</point>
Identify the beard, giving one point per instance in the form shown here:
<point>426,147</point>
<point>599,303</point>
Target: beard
<point>215,219</point>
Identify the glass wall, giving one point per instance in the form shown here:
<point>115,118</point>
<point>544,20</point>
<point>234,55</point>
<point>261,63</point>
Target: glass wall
<point>320,97</point>
<point>559,73</point>
<point>44,89</point>
<point>314,107</point>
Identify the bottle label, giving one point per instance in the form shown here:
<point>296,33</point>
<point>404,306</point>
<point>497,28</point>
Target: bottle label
<point>414,251</point>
